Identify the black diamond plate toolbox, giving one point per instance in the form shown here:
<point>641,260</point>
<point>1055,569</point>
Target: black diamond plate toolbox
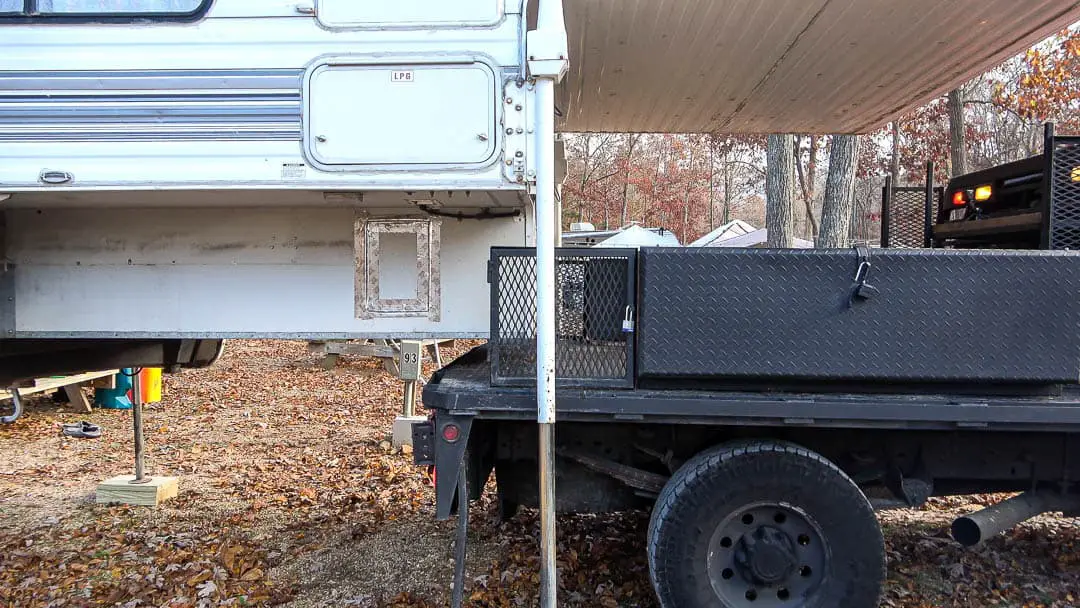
<point>926,316</point>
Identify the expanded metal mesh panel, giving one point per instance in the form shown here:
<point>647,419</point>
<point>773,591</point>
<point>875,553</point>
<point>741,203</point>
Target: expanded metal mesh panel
<point>905,217</point>
<point>1065,194</point>
<point>594,289</point>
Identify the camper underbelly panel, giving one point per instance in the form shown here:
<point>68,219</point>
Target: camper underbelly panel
<point>248,272</point>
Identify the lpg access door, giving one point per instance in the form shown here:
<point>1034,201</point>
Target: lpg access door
<point>400,113</point>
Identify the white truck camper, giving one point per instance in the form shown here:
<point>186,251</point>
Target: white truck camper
<point>252,168</point>
<point>198,169</point>
<point>178,172</point>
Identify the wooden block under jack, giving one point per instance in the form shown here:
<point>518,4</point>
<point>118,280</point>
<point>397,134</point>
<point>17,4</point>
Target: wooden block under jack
<point>152,493</point>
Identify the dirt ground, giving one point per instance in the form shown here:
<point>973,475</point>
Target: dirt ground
<point>291,496</point>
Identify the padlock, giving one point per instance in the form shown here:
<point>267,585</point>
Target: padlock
<point>864,291</point>
<point>861,289</point>
<point>628,321</point>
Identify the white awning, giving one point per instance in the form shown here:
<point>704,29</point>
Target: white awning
<point>804,66</point>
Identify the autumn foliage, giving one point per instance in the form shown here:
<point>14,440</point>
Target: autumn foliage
<point>1048,87</point>
<point>691,183</point>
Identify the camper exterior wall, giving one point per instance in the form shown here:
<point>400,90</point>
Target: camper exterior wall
<point>322,169</point>
<point>219,103</point>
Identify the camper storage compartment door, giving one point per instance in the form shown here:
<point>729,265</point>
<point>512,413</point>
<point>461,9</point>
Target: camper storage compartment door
<point>362,115</point>
<point>727,316</point>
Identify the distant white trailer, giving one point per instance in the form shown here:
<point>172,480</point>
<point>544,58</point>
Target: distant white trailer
<point>631,235</point>
<point>723,232</point>
<point>636,236</point>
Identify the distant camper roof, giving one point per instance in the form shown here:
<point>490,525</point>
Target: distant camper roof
<point>729,230</point>
<point>636,236</point>
<point>631,235</point>
<point>757,238</point>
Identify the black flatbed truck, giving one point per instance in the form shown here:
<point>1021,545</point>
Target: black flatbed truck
<point>1030,203</point>
<point>764,404</point>
<point>763,491</point>
<point>843,454</point>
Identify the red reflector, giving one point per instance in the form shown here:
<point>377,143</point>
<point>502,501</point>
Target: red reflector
<point>959,199</point>
<point>451,433</point>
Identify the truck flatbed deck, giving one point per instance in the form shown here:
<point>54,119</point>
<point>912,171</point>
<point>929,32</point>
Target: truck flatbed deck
<point>464,387</point>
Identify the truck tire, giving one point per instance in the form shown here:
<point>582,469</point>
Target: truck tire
<point>764,524</point>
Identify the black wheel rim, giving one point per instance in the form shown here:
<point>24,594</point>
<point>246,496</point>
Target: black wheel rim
<point>767,555</point>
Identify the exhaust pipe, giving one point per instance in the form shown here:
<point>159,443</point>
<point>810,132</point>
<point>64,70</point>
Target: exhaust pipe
<point>16,401</point>
<point>974,529</point>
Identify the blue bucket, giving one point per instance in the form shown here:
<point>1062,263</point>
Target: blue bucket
<point>116,398</point>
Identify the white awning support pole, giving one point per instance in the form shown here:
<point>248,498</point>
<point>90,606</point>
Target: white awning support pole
<point>546,48</point>
<point>545,332</point>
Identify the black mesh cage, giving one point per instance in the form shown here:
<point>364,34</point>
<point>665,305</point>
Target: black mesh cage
<point>1064,229</point>
<point>905,216</point>
<point>594,292</point>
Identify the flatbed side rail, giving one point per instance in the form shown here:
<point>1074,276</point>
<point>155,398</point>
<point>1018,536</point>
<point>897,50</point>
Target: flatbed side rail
<point>464,388</point>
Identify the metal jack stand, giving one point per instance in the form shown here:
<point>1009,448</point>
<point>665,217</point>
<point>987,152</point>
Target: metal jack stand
<point>140,489</point>
<point>17,407</point>
<point>137,423</point>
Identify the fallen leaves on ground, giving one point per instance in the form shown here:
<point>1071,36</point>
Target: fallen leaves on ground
<point>291,495</point>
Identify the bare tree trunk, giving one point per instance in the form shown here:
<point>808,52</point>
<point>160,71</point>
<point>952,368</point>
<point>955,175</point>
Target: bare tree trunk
<point>686,196</point>
<point>727,187</point>
<point>839,192</point>
<point>712,184</point>
<point>894,160</point>
<point>656,179</point>
<point>584,179</point>
<point>686,221</point>
<point>807,186</point>
<point>957,149</point>
<point>630,142</point>
<point>780,190</point>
